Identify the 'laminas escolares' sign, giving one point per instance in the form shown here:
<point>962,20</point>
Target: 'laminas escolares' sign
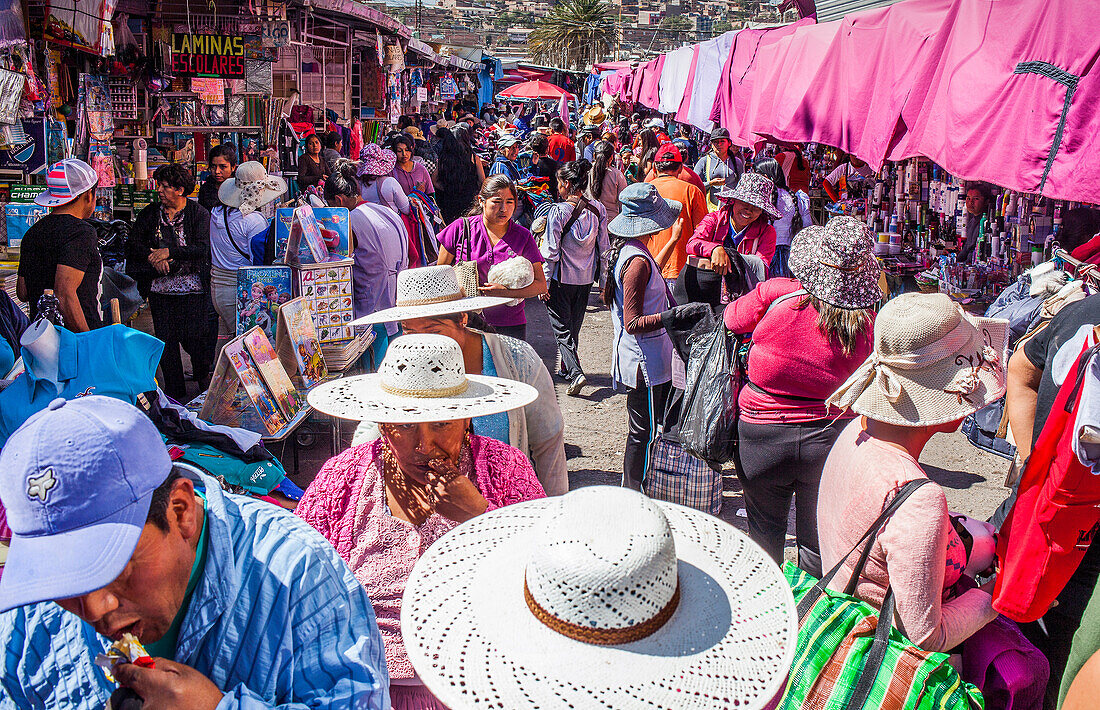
<point>208,55</point>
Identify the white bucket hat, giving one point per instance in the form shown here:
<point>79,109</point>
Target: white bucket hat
<point>251,187</point>
<point>427,292</point>
<point>422,379</point>
<point>932,364</point>
<point>555,603</point>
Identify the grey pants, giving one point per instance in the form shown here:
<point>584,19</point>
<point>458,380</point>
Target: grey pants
<point>223,291</point>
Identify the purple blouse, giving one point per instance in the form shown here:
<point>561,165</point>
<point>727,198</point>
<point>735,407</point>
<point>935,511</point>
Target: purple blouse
<point>517,241</point>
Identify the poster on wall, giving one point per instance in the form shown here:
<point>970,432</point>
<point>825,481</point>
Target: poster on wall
<point>82,24</point>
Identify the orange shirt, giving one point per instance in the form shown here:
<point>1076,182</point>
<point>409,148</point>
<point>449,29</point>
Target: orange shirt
<point>694,210</point>
<point>686,174</point>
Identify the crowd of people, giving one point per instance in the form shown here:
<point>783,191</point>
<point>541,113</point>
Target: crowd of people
<point>441,560</point>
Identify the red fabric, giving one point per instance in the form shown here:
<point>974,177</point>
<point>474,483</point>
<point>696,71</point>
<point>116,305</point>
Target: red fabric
<point>649,88</point>
<point>1089,252</point>
<point>560,148</point>
<point>1055,516</point>
<point>534,90</point>
<point>412,228</point>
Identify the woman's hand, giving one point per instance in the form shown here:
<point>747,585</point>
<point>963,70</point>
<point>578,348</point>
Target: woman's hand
<point>162,267</point>
<point>720,261</point>
<point>156,255</point>
<point>454,496</point>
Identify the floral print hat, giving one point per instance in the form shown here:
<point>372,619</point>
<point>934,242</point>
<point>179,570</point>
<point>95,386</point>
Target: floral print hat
<point>836,263</point>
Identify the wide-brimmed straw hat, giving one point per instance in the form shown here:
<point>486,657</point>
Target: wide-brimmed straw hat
<point>932,364</point>
<point>755,189</point>
<point>644,212</point>
<point>422,379</point>
<point>837,263</point>
<point>251,187</point>
<point>554,603</point>
<point>594,115</point>
<point>376,161</point>
<point>426,292</point>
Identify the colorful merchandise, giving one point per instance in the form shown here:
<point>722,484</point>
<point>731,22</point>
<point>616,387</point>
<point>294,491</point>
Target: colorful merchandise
<point>297,342</point>
<point>260,292</point>
<point>275,377</point>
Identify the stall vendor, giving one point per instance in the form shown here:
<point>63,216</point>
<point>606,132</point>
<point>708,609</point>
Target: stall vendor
<point>978,197</point>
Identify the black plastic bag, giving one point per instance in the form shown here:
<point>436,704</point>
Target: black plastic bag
<point>708,419</point>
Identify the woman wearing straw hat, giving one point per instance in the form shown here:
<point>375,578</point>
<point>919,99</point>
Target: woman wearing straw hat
<point>809,334</point>
<point>932,366</point>
<point>383,504</point>
<point>429,300</point>
<point>601,598</point>
<point>733,244</point>
<point>635,291</point>
<point>233,224</point>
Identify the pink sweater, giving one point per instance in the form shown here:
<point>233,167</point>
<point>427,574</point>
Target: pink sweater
<point>789,356</point>
<point>915,551</point>
<point>713,229</point>
<point>347,504</point>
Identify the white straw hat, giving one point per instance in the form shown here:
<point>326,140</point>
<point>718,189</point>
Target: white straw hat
<point>251,187</point>
<point>599,598</point>
<point>427,292</point>
<point>932,364</point>
<point>422,379</point>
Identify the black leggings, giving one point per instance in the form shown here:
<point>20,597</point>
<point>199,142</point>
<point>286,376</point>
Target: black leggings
<point>645,412</point>
<point>181,321</point>
<point>566,309</point>
<point>779,462</point>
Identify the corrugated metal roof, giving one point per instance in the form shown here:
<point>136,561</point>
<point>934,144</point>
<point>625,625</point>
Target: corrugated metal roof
<point>828,10</point>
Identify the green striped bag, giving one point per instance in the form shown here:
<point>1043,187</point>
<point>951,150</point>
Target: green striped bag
<point>849,656</point>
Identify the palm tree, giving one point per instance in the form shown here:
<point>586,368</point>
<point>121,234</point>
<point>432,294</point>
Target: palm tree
<point>575,34</point>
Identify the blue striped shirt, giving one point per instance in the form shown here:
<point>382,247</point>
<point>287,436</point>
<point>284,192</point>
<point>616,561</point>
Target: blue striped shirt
<point>277,621</point>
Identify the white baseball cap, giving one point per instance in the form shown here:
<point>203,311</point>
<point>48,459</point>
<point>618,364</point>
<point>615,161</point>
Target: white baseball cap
<point>67,180</point>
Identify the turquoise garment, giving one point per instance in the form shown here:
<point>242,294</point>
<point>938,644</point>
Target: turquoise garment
<point>7,357</point>
<point>166,646</point>
<point>115,361</point>
<point>493,426</point>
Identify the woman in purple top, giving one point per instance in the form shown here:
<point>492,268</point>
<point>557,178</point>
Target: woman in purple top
<point>490,237</point>
<point>409,173</point>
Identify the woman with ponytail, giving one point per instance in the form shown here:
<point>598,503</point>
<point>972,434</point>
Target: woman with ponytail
<point>605,182</point>
<point>635,291</point>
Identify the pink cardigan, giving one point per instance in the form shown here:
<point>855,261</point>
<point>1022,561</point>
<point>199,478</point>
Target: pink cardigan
<point>917,553</point>
<point>712,231</point>
<point>347,504</point>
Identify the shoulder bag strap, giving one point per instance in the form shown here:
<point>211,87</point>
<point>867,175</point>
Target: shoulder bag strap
<point>869,538</point>
<point>229,235</point>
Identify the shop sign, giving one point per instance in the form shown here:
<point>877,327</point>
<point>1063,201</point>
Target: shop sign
<point>421,94</point>
<point>276,34</point>
<point>208,55</point>
<point>29,154</point>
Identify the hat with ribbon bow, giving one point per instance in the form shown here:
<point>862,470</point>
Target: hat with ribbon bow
<point>932,364</point>
<point>251,187</point>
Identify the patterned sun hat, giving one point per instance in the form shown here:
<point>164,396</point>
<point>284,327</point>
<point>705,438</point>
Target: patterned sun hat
<point>422,379</point>
<point>932,364</point>
<point>427,292</point>
<point>553,603</point>
<point>376,160</point>
<point>754,189</point>
<point>837,263</point>
<point>251,187</point>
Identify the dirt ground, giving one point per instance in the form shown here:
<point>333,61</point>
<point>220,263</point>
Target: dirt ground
<point>595,429</point>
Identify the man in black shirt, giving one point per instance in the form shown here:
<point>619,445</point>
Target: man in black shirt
<point>61,250</point>
<point>543,165</point>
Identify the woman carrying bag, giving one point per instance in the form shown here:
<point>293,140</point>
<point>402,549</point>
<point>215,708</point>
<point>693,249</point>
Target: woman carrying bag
<point>576,243</point>
<point>641,352</point>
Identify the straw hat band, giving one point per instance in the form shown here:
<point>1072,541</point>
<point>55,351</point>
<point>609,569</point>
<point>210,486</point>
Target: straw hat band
<point>950,344</point>
<point>445,298</point>
<point>426,393</point>
<point>599,636</point>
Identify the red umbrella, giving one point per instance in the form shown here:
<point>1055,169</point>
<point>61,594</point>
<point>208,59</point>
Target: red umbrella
<point>533,90</point>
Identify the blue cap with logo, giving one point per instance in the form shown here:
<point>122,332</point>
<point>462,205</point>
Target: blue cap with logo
<point>76,480</point>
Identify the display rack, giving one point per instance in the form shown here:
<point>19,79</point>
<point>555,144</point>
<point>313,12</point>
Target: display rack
<point>124,99</point>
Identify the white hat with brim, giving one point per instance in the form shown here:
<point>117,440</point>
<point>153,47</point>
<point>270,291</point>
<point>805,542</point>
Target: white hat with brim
<point>475,641</point>
<point>427,292</point>
<point>932,364</point>
<point>251,187</point>
<point>422,379</point>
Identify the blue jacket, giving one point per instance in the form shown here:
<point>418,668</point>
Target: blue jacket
<point>277,621</point>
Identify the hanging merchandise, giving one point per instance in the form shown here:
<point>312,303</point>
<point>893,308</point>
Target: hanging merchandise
<point>81,24</point>
<point>448,88</point>
<point>11,92</point>
<point>416,78</point>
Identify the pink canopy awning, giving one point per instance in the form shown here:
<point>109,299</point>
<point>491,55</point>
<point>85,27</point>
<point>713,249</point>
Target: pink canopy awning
<point>998,90</point>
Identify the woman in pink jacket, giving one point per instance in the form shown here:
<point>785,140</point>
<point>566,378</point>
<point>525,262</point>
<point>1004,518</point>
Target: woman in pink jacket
<point>734,243</point>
